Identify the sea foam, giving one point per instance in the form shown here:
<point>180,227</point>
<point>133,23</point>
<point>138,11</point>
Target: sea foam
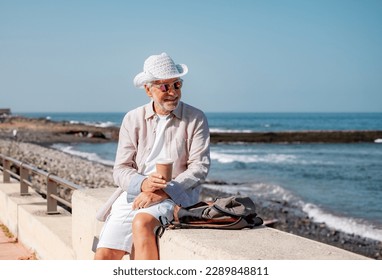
<point>268,158</point>
<point>345,224</point>
<point>96,124</point>
<point>223,130</point>
<point>89,156</point>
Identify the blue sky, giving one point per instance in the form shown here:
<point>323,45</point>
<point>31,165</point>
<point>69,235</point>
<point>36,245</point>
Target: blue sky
<point>243,56</point>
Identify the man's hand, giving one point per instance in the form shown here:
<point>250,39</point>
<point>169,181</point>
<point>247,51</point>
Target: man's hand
<point>146,199</point>
<point>153,183</point>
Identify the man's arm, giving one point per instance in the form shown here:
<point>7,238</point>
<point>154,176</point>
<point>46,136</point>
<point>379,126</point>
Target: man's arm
<point>125,171</point>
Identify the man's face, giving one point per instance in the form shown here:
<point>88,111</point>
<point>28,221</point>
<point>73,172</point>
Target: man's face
<point>166,95</point>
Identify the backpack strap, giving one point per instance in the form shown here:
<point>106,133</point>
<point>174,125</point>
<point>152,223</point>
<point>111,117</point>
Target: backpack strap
<point>235,206</point>
<point>231,224</point>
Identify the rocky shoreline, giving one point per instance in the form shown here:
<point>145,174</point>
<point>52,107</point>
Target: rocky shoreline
<point>95,175</point>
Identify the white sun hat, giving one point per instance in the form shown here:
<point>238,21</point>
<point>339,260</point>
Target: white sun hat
<point>159,67</point>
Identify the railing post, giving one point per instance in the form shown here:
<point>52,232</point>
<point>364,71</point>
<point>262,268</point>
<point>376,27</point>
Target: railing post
<point>24,174</point>
<point>51,190</point>
<point>6,168</point>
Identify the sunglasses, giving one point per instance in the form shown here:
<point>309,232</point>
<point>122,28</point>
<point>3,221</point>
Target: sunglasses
<point>166,87</point>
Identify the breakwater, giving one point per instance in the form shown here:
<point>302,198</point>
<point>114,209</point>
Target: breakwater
<point>299,137</point>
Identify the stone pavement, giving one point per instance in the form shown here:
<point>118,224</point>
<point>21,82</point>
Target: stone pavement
<point>11,249</point>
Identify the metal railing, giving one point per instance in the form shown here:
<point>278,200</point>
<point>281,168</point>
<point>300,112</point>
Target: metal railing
<point>52,182</point>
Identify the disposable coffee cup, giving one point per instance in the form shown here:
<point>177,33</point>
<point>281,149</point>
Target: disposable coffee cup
<point>164,167</point>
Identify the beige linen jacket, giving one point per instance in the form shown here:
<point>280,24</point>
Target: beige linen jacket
<point>187,139</point>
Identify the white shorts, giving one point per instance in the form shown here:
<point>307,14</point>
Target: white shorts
<point>117,230</point>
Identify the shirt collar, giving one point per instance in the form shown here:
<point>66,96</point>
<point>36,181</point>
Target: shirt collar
<point>149,112</point>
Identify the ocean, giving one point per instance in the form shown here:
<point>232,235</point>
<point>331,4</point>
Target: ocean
<point>339,184</point>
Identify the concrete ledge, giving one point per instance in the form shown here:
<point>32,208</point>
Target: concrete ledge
<point>260,243</point>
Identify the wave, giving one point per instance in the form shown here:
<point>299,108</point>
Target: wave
<point>89,156</point>
<point>261,128</point>
<point>268,158</point>
<point>263,191</point>
<point>105,124</point>
<point>96,124</point>
<point>345,224</point>
<point>222,130</point>
<point>274,192</point>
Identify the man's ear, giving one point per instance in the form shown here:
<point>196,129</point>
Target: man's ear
<point>148,92</point>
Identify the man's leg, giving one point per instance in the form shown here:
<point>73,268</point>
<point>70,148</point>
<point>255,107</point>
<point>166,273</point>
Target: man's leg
<point>109,254</point>
<point>144,238</point>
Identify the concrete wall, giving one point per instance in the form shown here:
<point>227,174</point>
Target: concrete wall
<point>68,236</point>
<point>49,236</point>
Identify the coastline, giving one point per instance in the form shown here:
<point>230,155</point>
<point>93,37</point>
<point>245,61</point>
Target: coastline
<point>33,141</point>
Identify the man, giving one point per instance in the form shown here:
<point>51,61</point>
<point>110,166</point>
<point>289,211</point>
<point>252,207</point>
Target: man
<point>164,128</point>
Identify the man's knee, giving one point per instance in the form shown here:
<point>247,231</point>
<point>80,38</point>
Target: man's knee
<point>144,223</point>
